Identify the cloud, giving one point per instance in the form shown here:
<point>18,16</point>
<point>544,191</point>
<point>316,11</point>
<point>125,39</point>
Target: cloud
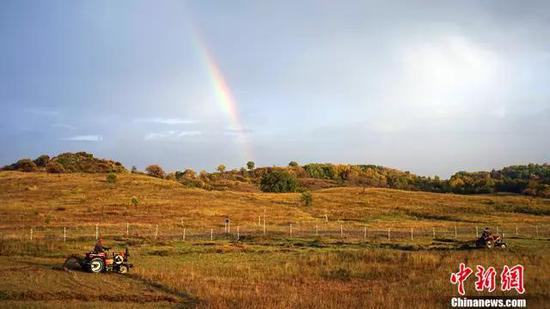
<point>169,121</point>
<point>84,138</point>
<point>171,135</point>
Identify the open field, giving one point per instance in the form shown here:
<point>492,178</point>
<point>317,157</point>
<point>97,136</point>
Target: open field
<point>272,271</point>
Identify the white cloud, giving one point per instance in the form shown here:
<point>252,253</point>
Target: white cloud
<point>169,121</point>
<point>84,138</point>
<point>171,135</point>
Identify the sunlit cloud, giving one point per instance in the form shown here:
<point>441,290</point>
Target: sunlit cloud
<point>169,121</point>
<point>84,138</point>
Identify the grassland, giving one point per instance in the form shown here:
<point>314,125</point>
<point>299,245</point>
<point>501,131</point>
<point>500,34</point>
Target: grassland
<point>274,271</point>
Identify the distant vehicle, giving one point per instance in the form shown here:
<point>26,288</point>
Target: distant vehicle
<point>489,241</point>
<point>98,262</point>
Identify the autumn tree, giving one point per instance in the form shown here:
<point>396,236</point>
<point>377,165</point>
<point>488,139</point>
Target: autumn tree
<point>155,171</point>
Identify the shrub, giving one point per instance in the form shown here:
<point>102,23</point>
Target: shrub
<point>221,168</point>
<point>134,200</point>
<point>26,165</point>
<point>111,177</point>
<point>278,181</point>
<point>54,167</point>
<point>42,161</point>
<point>155,171</point>
<point>293,164</point>
<point>307,198</point>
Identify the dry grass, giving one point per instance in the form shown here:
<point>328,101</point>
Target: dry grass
<point>259,272</point>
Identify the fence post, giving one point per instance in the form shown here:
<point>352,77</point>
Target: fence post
<point>183,237</point>
<point>31,233</point>
<point>477,232</point>
<point>497,230</point>
<point>264,221</point>
<point>156,232</point>
<point>389,231</point>
<point>259,220</point>
<point>326,218</point>
<point>412,233</point>
<point>290,230</point>
<point>365,233</point>
<point>127,229</point>
<point>211,234</point>
<point>456,234</point>
<point>96,231</point>
<point>238,233</point>
<point>516,230</point>
<point>341,231</point>
<point>433,232</point>
<point>64,234</point>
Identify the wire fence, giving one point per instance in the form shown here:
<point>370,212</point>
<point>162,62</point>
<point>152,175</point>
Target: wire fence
<point>331,231</point>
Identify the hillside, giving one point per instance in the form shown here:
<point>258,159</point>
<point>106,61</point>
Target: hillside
<point>276,270</point>
<point>53,199</point>
<point>80,162</point>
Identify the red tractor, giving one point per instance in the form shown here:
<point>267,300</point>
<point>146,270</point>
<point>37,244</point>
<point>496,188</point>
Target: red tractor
<point>97,262</point>
<point>489,241</point>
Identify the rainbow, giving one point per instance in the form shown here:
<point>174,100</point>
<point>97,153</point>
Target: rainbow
<point>223,92</point>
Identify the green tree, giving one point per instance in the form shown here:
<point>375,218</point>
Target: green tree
<point>293,164</point>
<point>221,168</point>
<point>250,165</point>
<point>278,181</point>
<point>42,160</point>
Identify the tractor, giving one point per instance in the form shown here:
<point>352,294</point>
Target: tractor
<point>98,262</point>
<point>489,241</point>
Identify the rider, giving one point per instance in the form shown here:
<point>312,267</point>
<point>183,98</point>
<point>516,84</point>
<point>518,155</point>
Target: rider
<point>486,233</point>
<point>99,246</point>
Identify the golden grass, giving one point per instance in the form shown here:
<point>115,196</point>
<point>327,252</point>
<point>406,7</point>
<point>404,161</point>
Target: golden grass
<point>257,272</point>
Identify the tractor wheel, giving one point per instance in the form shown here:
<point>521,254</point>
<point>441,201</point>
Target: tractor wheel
<point>122,269</point>
<point>489,244</point>
<point>503,245</point>
<point>72,263</point>
<point>97,265</point>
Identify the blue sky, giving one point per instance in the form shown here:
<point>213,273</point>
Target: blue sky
<point>427,86</point>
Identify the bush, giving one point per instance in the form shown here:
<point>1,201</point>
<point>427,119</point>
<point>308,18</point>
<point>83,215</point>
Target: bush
<point>134,200</point>
<point>307,198</point>
<point>54,167</point>
<point>293,164</point>
<point>278,181</point>
<point>111,177</point>
<point>221,168</point>
<point>155,171</point>
<point>26,165</point>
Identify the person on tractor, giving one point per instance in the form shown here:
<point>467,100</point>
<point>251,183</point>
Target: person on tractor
<point>486,233</point>
<point>99,247</point>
